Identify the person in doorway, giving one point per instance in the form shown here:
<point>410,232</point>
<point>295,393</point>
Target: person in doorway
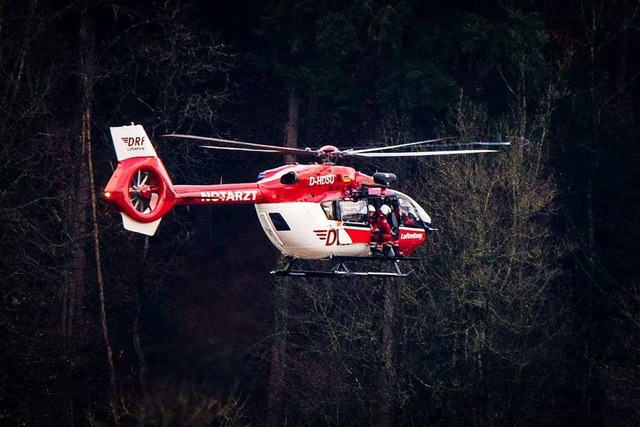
<point>382,236</point>
<point>371,216</point>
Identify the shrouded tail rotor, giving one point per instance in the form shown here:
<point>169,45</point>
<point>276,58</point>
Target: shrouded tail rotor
<point>140,187</point>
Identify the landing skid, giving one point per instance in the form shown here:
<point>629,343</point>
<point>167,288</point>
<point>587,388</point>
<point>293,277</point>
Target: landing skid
<point>339,268</point>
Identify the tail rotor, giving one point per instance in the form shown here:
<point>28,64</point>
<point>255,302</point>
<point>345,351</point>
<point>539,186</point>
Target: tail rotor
<point>145,190</point>
<point>140,187</point>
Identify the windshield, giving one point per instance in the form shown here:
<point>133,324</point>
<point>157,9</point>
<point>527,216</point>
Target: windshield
<point>353,211</point>
<point>411,206</point>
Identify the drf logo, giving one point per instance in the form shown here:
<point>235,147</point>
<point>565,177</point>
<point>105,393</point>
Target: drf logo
<point>134,142</point>
<point>332,237</point>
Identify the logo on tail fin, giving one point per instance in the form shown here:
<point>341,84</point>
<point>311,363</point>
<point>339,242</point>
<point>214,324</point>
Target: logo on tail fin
<point>131,141</point>
<point>134,143</point>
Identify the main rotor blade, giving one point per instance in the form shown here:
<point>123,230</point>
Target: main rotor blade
<point>274,148</point>
<point>483,143</point>
<point>252,150</point>
<point>423,153</point>
<point>389,147</point>
<point>429,141</point>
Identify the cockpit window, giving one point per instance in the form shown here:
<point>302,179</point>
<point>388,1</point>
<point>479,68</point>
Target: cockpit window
<point>422,214</point>
<point>327,207</point>
<point>353,211</point>
<point>408,213</point>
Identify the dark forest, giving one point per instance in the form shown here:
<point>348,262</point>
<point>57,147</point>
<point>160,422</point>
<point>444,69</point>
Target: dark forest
<point>523,311</point>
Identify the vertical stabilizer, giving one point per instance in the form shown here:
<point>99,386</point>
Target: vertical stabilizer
<point>131,141</point>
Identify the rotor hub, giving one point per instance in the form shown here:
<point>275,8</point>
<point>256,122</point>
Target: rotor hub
<point>144,191</point>
<point>329,149</point>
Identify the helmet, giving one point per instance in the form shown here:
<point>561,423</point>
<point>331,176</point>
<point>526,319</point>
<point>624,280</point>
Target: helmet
<point>385,209</point>
<point>372,208</point>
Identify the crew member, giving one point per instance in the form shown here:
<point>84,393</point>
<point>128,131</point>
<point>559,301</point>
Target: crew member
<point>371,217</point>
<point>382,236</point>
<point>409,220</point>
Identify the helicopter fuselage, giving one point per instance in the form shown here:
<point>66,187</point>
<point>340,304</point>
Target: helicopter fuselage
<point>322,210</point>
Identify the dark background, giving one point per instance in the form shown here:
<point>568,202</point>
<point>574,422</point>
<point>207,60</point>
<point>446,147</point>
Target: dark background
<point>523,311</point>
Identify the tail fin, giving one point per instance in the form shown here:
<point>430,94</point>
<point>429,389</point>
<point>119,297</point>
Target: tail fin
<point>131,141</point>
<point>140,187</point>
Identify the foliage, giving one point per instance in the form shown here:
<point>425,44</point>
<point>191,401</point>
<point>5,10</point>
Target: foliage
<point>524,310</point>
<point>187,405</point>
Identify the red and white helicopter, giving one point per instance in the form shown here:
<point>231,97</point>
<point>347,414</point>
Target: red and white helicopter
<point>315,211</point>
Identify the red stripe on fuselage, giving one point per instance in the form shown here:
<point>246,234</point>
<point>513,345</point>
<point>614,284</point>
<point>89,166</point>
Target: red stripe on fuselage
<point>359,234</point>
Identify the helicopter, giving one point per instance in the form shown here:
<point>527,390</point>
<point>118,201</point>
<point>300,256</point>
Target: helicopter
<point>315,211</point>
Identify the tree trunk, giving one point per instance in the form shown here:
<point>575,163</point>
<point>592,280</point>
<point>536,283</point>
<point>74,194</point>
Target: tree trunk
<point>389,374</point>
<point>291,128</point>
<point>87,48</point>
<point>74,286</point>
<point>141,297</point>
<point>275,409</point>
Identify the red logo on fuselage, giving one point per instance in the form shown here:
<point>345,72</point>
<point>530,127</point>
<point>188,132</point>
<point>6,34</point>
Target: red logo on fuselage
<point>332,237</point>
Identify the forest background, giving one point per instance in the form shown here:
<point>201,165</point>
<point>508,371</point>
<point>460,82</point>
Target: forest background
<point>523,311</point>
